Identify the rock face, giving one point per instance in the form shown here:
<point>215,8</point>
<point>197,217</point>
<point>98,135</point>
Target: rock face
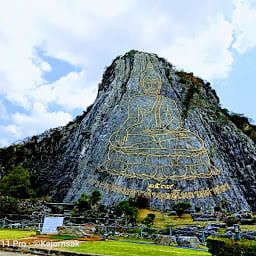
<point>152,130</point>
<point>76,231</point>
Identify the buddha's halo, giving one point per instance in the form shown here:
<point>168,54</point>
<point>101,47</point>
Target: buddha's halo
<point>150,72</point>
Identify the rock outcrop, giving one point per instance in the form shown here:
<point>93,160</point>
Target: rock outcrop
<point>194,151</point>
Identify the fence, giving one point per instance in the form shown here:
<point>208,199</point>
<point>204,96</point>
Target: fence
<point>105,229</point>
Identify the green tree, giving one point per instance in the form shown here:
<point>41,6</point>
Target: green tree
<point>8,205</point>
<point>149,220</point>
<point>142,202</point>
<point>198,208</point>
<point>95,197</point>
<point>82,204</point>
<point>180,208</point>
<point>17,183</point>
<point>130,212</point>
<point>86,202</point>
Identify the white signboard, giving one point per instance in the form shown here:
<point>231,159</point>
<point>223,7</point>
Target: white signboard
<point>51,223</point>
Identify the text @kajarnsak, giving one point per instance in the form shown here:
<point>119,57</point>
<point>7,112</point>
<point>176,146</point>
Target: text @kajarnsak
<point>40,243</point>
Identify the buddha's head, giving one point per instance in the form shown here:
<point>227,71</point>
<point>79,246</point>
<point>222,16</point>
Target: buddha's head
<point>150,81</point>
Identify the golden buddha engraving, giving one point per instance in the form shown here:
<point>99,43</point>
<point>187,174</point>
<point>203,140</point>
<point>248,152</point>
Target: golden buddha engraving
<point>152,144</point>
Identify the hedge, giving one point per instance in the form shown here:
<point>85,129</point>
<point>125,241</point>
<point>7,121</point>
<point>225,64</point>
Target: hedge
<point>227,247</point>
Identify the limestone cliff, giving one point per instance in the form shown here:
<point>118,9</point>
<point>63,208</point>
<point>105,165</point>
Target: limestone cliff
<point>93,151</point>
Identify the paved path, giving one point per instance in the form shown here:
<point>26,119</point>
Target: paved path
<point>3,253</point>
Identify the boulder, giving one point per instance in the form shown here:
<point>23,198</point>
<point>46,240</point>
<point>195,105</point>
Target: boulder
<point>172,213</point>
<point>232,229</point>
<point>188,241</point>
<point>215,226</point>
<point>164,239</point>
<point>208,233</point>
<point>77,231</point>
<point>246,215</point>
<point>250,235</point>
<point>244,221</point>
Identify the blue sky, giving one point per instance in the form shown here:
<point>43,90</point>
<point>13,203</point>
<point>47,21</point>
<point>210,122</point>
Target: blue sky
<point>53,53</point>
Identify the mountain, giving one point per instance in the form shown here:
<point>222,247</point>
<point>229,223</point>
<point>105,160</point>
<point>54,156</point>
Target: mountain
<point>152,130</point>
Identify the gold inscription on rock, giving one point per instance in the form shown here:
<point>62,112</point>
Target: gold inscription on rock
<point>159,186</point>
<point>172,195</point>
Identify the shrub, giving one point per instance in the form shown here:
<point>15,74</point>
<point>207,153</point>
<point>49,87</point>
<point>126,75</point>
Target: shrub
<point>150,231</point>
<point>223,204</point>
<point>148,221</point>
<point>85,202</point>
<point>82,204</point>
<point>140,202</point>
<point>152,216</point>
<point>227,247</point>
<point>198,209</point>
<point>217,208</point>
<point>231,220</point>
<point>180,208</point>
<point>8,205</point>
<point>17,183</point>
<point>129,211</point>
<point>95,197</point>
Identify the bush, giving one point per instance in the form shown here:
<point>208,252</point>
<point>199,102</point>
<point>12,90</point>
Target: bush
<point>150,231</point>
<point>95,197</point>
<point>227,247</point>
<point>231,220</point>
<point>152,216</point>
<point>17,183</point>
<point>86,202</point>
<point>140,202</point>
<point>82,204</point>
<point>180,208</point>
<point>129,211</point>
<point>217,208</point>
<point>8,205</point>
<point>149,220</point>
<point>197,209</point>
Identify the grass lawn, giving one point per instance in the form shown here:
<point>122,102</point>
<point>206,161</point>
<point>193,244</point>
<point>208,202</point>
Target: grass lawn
<point>134,239</point>
<point>185,220</point>
<point>123,249</point>
<point>15,234</point>
<point>248,227</point>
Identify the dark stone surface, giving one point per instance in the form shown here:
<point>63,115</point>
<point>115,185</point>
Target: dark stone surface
<point>186,231</point>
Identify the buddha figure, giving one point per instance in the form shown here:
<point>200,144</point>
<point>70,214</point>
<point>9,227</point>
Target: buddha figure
<point>152,144</point>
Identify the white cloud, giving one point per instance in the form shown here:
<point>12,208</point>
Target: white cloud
<point>3,112</point>
<point>244,22</point>
<point>34,123</point>
<point>39,120</point>
<point>89,34</point>
<point>205,54</point>
<point>70,92</point>
<point>4,142</point>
